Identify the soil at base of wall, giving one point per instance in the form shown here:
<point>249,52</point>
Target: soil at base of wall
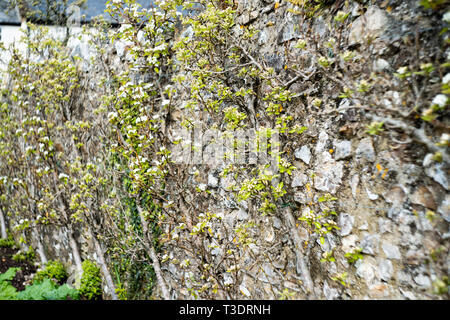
<point>6,262</point>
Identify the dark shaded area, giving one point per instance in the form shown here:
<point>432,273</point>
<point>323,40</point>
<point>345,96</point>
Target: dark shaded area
<point>6,262</point>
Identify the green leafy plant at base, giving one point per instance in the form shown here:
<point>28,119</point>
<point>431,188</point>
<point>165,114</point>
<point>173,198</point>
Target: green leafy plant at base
<point>53,270</point>
<point>7,243</point>
<point>48,290</point>
<point>7,291</point>
<point>44,290</point>
<point>25,256</point>
<point>91,281</point>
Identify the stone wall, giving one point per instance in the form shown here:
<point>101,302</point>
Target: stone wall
<point>391,199</point>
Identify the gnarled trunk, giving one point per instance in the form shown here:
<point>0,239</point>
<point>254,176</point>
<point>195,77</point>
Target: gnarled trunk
<point>148,240</point>
<point>103,265</point>
<point>3,233</point>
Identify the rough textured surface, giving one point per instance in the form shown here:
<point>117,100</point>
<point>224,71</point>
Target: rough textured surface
<point>383,189</point>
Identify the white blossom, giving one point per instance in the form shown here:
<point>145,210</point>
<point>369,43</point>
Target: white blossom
<point>445,138</point>
<point>440,100</point>
<point>446,17</point>
<point>402,70</point>
<point>446,78</point>
<point>112,115</point>
<point>63,176</point>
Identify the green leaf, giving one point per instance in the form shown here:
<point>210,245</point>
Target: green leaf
<point>7,291</point>
<point>9,274</point>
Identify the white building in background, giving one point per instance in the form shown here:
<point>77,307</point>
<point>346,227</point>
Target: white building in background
<point>13,25</point>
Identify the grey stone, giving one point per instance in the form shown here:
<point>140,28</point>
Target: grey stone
<point>331,239</point>
<point>422,196</point>
<point>413,257</point>
<point>378,290</point>
<point>333,268</point>
<point>343,149</point>
<point>328,244</point>
<point>370,244</point>
<point>322,142</point>
<point>276,223</point>
<point>384,225</point>
<point>354,184</point>
<point>213,182</point>
<point>385,269</point>
<point>329,292</point>
<point>349,243</point>
<point>372,196</point>
<point>371,24</point>
<point>263,37</point>
<point>267,274</point>
<point>380,65</point>
<point>408,294</point>
<point>396,195</point>
<point>230,218</point>
<point>391,251</point>
<point>364,226</point>
<point>329,174</point>
<point>289,30</point>
<point>409,173</point>
<point>268,234</point>
<point>422,280</point>
<point>300,197</point>
<point>393,212</point>
<point>366,270</point>
<point>227,279</point>
<point>242,215</point>
<point>408,239</point>
<point>355,9</point>
<point>365,150</point>
<point>436,171</point>
<point>298,179</point>
<point>320,26</point>
<point>346,222</point>
<point>188,33</point>
<point>405,218</point>
<point>243,289</point>
<point>444,208</point>
<point>393,99</point>
<point>403,277</point>
<point>424,223</point>
<point>303,154</point>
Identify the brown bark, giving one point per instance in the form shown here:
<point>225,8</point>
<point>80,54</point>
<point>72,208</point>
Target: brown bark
<point>104,266</point>
<point>302,265</point>
<point>3,233</point>
<point>148,242</point>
